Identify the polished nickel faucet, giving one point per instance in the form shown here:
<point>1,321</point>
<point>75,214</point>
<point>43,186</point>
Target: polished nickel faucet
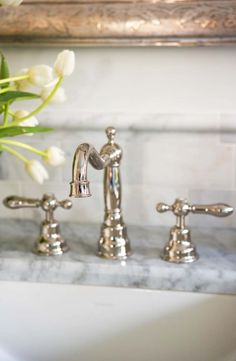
<point>50,241</point>
<point>114,242</point>
<point>179,248</point>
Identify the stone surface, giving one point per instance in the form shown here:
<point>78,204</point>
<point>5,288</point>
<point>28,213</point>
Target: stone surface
<point>214,272</point>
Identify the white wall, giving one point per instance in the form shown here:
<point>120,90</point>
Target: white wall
<point>176,112</point>
<point>144,80</point>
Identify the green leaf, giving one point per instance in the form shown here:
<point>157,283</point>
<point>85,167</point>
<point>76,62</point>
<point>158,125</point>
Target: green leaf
<point>14,131</point>
<point>4,71</point>
<point>11,96</point>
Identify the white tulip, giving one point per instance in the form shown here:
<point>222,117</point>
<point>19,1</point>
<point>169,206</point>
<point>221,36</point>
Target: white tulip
<point>65,63</point>
<point>54,156</point>
<point>30,122</point>
<point>36,170</point>
<point>10,2</point>
<point>40,75</point>
<point>24,84</point>
<point>58,97</point>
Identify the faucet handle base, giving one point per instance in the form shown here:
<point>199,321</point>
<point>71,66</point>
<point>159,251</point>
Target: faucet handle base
<point>50,242</point>
<point>179,248</point>
<point>43,248</point>
<point>114,243</point>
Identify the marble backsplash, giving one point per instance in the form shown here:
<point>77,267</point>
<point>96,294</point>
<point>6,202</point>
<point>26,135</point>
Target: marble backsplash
<point>165,156</point>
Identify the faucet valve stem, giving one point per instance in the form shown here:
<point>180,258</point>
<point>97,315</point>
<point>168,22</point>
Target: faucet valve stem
<point>180,248</point>
<point>50,241</point>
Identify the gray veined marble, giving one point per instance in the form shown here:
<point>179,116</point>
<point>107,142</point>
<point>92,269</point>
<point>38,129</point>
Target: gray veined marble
<point>215,272</point>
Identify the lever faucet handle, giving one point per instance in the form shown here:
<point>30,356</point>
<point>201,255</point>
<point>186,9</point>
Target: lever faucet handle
<point>50,241</point>
<point>180,248</point>
<point>47,203</point>
<point>217,209</point>
<point>16,202</point>
<point>181,207</point>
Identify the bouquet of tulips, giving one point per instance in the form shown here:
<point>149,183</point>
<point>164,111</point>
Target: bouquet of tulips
<point>46,84</point>
<point>17,122</point>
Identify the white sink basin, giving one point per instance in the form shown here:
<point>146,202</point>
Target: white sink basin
<point>44,322</point>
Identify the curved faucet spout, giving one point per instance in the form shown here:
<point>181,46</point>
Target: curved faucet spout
<point>113,242</point>
<point>84,154</point>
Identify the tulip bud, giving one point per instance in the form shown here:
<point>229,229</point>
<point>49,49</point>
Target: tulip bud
<point>65,63</point>
<point>24,84</point>
<point>40,75</point>
<point>36,171</point>
<point>54,156</point>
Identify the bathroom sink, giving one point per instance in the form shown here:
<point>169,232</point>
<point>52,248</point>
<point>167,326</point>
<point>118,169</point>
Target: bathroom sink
<point>50,322</point>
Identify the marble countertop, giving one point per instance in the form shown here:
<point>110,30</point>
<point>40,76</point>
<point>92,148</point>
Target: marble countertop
<point>214,272</point>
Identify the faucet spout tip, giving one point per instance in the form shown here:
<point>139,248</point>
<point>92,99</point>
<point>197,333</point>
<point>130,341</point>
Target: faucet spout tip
<point>80,189</point>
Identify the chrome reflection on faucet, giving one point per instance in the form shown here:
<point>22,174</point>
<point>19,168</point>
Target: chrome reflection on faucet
<point>114,242</point>
<point>179,248</point>
<point>50,242</point>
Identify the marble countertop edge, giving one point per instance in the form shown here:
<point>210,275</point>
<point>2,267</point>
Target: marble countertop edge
<point>214,272</point>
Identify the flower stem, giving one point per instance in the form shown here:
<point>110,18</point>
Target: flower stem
<point>42,105</point>
<point>23,145</point>
<point>15,153</point>
<point>5,118</point>
<point>7,89</point>
<point>14,78</point>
